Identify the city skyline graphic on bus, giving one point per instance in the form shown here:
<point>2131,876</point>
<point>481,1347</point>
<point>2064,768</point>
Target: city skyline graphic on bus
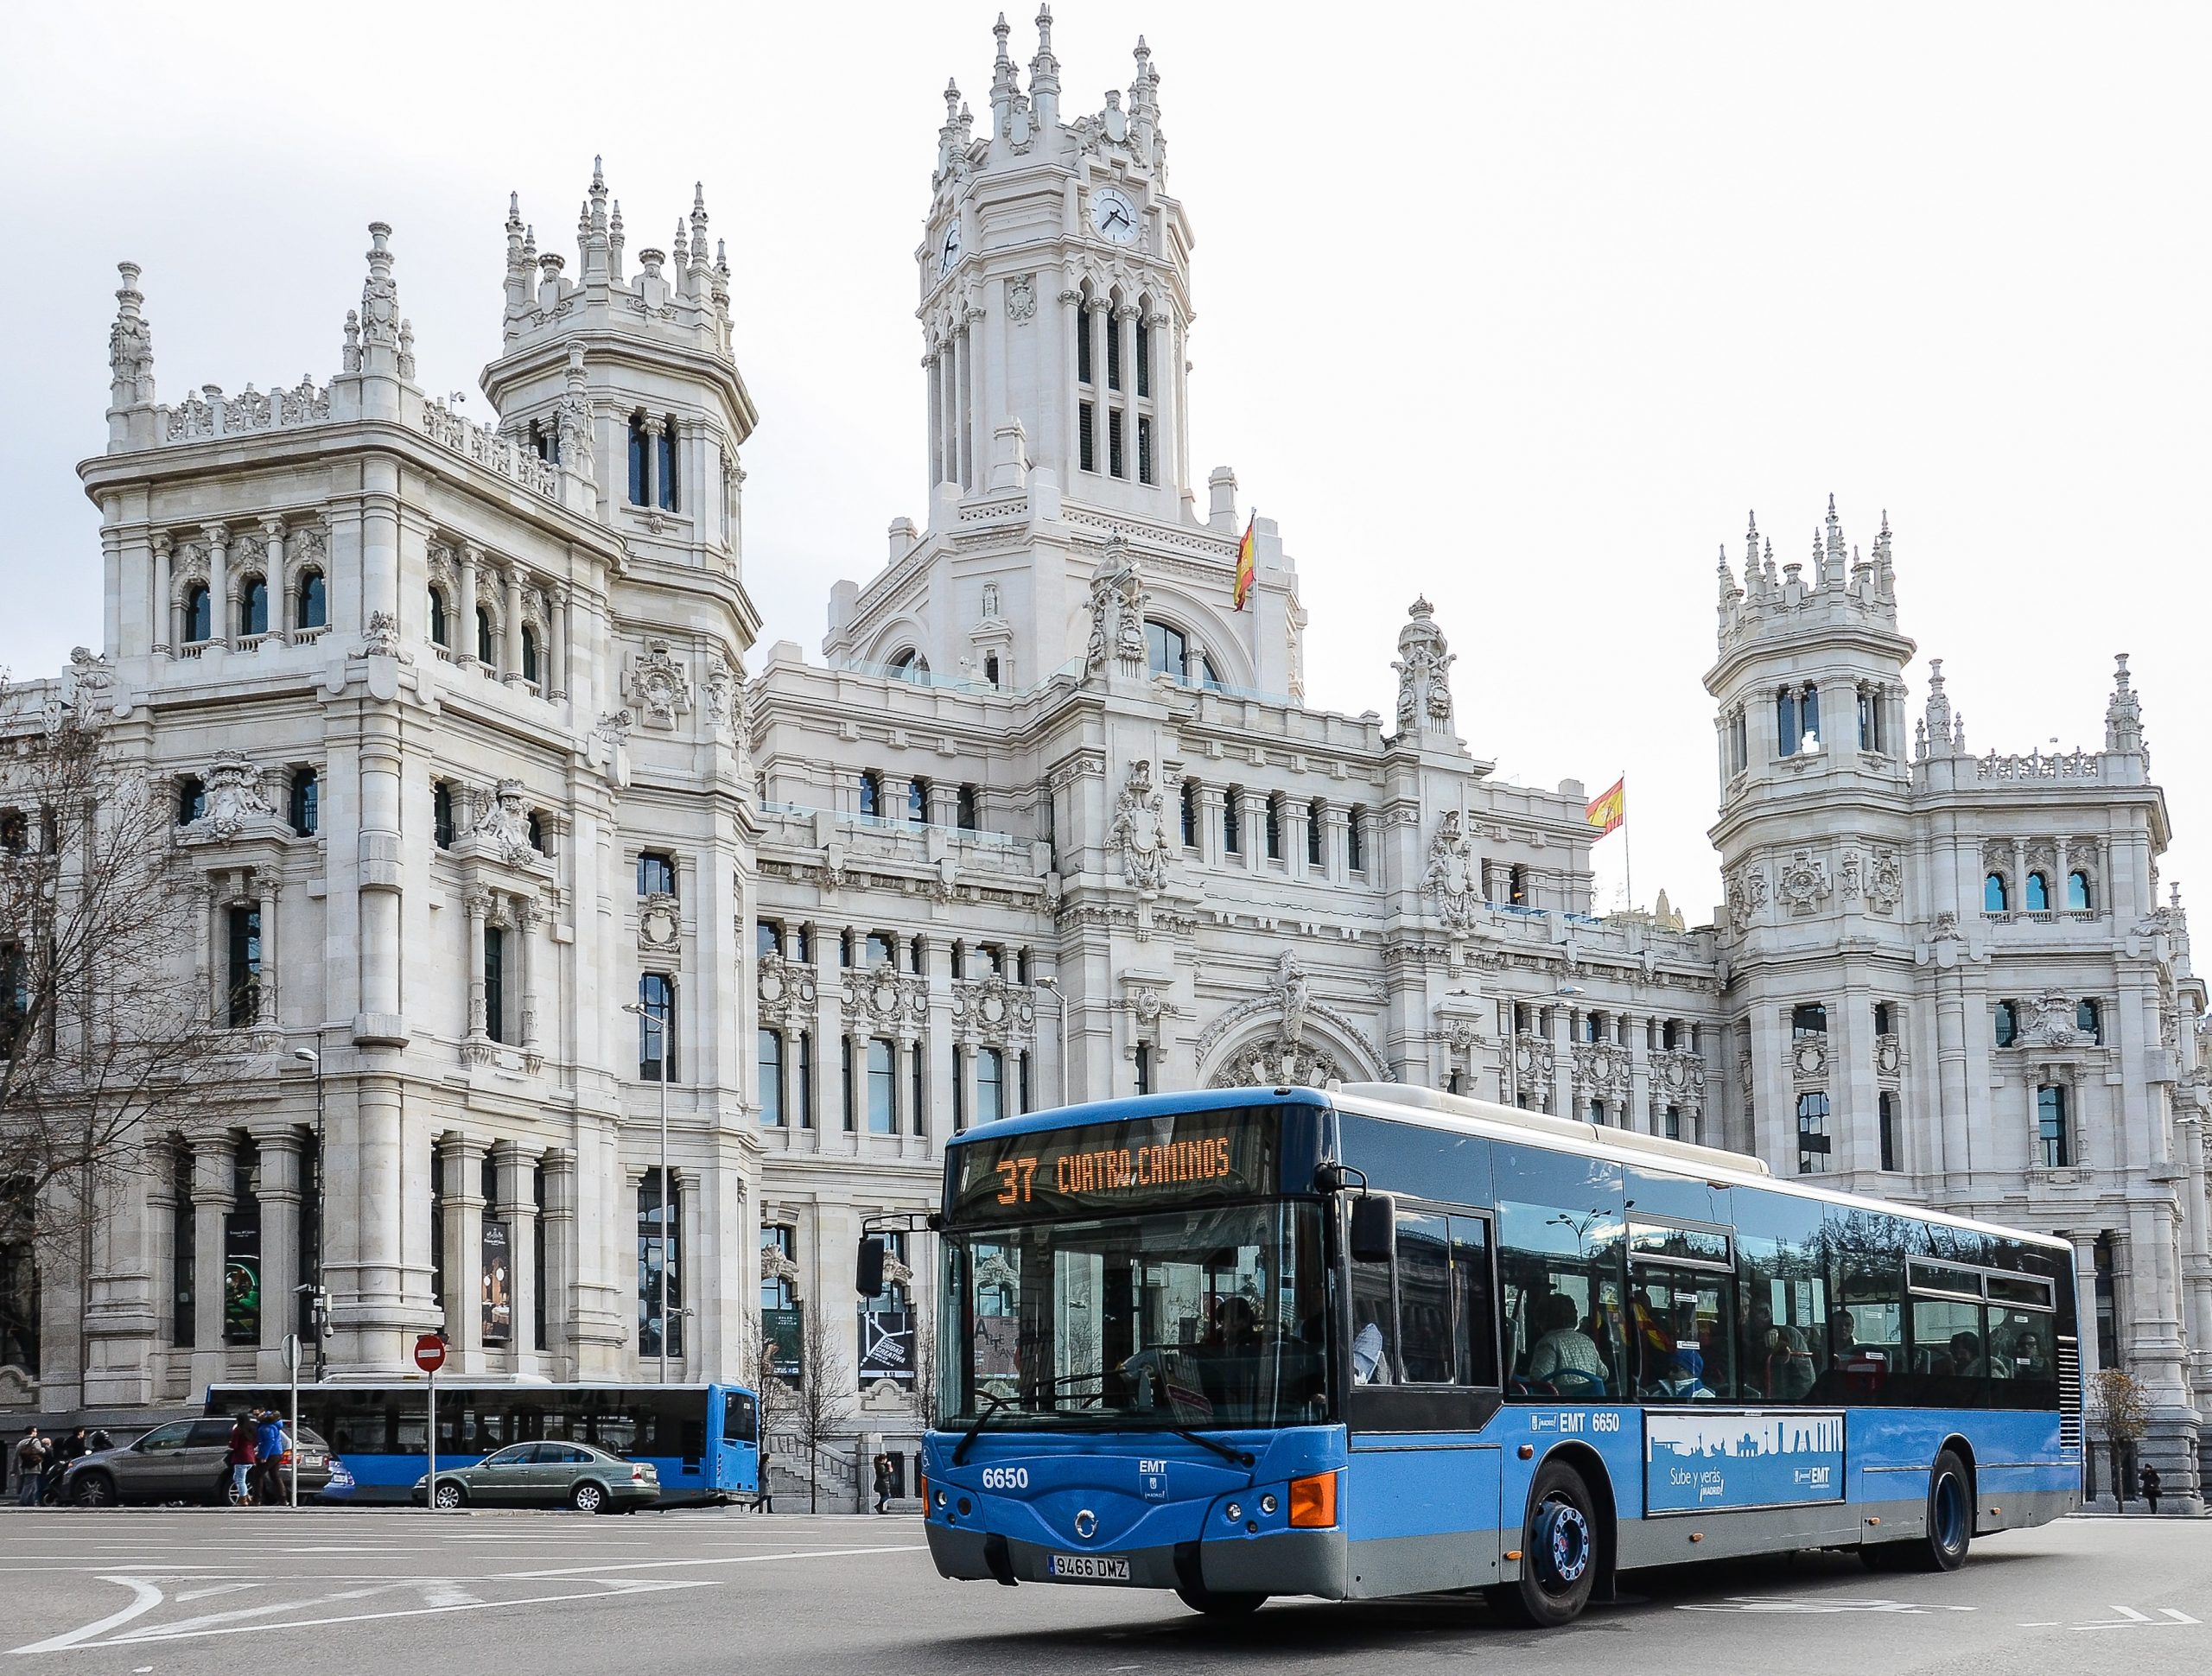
<point>1697,1460</point>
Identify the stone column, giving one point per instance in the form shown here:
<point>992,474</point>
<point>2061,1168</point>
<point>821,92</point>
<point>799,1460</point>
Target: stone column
<point>163,614</point>
<point>464,651</point>
<point>381,878</point>
<point>1252,822</point>
<point>1062,447</point>
<point>1562,1020</point>
<point>265,1006</point>
<point>933,380</point>
<point>462,1161</point>
<point>479,908</point>
<point>283,608</point>
<point>517,1207</point>
<point>1125,328</point>
<point>513,608</point>
<point>652,428</point>
<point>556,643</point>
<point>214,1164</point>
<point>963,430</point>
<point>283,1192</point>
<point>219,617</point>
<point>526,916</point>
<point>560,1164</point>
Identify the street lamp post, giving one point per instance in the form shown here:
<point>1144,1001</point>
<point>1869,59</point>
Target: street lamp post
<point>1046,981</point>
<point>316,1307</point>
<point>660,1282</point>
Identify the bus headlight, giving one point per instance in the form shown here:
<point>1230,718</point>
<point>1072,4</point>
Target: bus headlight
<point>1313,1502</point>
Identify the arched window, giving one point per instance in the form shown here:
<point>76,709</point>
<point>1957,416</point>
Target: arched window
<point>190,800</point>
<point>665,460</point>
<point>311,608</point>
<point>871,792</point>
<point>1275,826</point>
<point>199,615</point>
<point>253,606</point>
<point>1995,898</point>
<point>1232,820</point>
<point>1356,840</point>
<point>918,801</point>
<point>487,644</point>
<point>1190,812</point>
<point>1167,650</point>
<point>638,459</point>
<point>2089,1019</point>
<point>1317,814</point>
<point>442,819</point>
<point>1209,676</point>
<point>441,630</point>
<point>2077,891</point>
<point>2005,1023</point>
<point>910,665</point>
<point>529,654</point>
<point>306,802</point>
<point>2036,898</point>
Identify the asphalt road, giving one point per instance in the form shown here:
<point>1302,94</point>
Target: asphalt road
<point>137,1593</point>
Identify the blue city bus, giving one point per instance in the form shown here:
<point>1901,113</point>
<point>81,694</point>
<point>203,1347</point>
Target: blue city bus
<point>1378,1341</point>
<point>703,1440</point>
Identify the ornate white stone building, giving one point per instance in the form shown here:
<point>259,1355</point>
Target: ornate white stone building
<point>467,759</point>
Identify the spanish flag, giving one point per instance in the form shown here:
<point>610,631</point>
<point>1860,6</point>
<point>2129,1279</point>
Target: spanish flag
<point>1610,808</point>
<point>1244,564</point>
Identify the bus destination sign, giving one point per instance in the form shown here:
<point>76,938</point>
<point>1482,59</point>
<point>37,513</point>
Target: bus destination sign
<point>1144,1163</point>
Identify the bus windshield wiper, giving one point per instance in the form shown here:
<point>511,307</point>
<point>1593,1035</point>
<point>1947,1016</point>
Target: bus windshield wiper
<point>992,1402</point>
<point>1229,1452</point>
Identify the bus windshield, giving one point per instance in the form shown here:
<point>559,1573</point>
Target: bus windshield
<point>1205,1317</point>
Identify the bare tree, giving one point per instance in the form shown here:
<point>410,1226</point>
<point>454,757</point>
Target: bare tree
<point>926,1367</point>
<point>777,1394</point>
<point>2120,1410</point>
<point>825,1394</point>
<point>105,1036</point>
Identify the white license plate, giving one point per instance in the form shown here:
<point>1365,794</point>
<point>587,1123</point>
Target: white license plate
<point>1091,1568</point>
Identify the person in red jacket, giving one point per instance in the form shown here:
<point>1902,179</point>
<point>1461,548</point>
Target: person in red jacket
<point>241,1460</point>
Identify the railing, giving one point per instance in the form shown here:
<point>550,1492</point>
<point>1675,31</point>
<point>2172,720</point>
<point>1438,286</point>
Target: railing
<point>2034,765</point>
<point>212,414</point>
<point>891,823</point>
<point>490,450</point>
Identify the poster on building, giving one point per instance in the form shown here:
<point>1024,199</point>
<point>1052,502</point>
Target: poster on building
<point>242,1279</point>
<point>496,1282</point>
<point>785,1330</point>
<point>887,1345</point>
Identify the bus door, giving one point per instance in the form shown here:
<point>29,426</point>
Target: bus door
<point>736,1448</point>
<point>1421,1495</point>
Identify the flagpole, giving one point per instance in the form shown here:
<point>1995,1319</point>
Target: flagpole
<point>1628,870</point>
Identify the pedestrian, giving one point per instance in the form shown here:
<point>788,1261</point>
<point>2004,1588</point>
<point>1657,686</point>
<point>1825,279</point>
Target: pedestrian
<point>241,1460</point>
<point>884,1483</point>
<point>30,1468</point>
<point>2148,1482</point>
<point>101,1438</point>
<point>66,1450</point>
<point>764,1497</point>
<point>270,1445</point>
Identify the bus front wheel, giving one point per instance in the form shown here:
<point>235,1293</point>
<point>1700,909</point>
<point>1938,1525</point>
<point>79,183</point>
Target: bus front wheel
<point>1559,1566</point>
<point>1219,1604</point>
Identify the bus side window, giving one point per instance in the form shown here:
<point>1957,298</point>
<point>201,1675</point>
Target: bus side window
<point>737,1418</point>
<point>1425,1335</point>
<point>1373,1326</point>
<point>1473,1302</point>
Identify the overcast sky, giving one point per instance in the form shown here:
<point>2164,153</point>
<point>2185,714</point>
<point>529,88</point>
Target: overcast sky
<point>1522,308</point>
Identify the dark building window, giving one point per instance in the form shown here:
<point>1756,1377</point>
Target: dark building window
<point>314,608</point>
<point>243,993</point>
<point>488,645</point>
<point>638,441</point>
<point>964,813</point>
<point>1995,898</point>
<point>1114,465</point>
<point>1316,817</point>
<point>1232,820</point>
<point>495,983</point>
<point>990,1084</point>
<point>1144,356</point>
<point>529,654</point>
<point>253,606</point>
<point>1356,840</point>
<point>184,1246</point>
<point>1144,1068</point>
<point>1811,1133</point>
<point>803,1080</point>
<point>1083,335</point>
<point>665,443</point>
<point>1881,1020</point>
<point>1674,1123</point>
<point>1086,443</point>
<point>1166,649</point>
<point>2077,891</point>
<point>1808,1018</point>
<point>871,793</point>
<point>656,1028</point>
<point>1113,354</point>
<point>1190,814</point>
<point>2036,898</point>
<point>441,817</point>
<point>307,801</point>
<point>659,1263</point>
<point>2089,1019</point>
<point>1887,1116</point>
<point>2004,1022</point>
<point>1273,822</point>
<point>190,800</point>
<point>917,802</point>
<point>882,1086</point>
<point>1797,719</point>
<point>1144,447</point>
<point>656,873</point>
<point>772,1079</point>
<point>19,1306</point>
<point>2051,1128</point>
<point>1517,887</point>
<point>1870,719</point>
<point>198,616</point>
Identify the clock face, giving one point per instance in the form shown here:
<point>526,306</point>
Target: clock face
<point>1113,215</point>
<point>949,253</point>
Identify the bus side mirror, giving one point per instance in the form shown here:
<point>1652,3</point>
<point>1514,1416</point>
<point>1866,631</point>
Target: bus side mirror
<point>867,1269</point>
<point>1374,1227</point>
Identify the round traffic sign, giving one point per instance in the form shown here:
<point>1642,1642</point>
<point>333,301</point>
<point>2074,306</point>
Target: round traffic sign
<point>430,1352</point>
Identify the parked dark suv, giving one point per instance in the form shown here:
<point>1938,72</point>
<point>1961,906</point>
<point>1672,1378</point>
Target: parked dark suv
<point>183,1461</point>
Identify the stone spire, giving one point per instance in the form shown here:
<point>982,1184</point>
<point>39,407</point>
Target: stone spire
<point>1045,73</point>
<point>379,315</point>
<point>948,137</point>
<point>1885,578</point>
<point>1752,554</point>
<point>1832,569</point>
<point>518,264</point>
<point>130,347</point>
<point>699,264</point>
<point>2124,712</point>
<point>1936,726</point>
<point>614,243</point>
<point>1423,666</point>
<point>593,231</point>
<point>1003,86</point>
<point>1144,103</point>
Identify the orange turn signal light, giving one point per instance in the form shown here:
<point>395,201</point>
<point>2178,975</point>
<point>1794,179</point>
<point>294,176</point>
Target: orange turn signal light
<point>1313,1502</point>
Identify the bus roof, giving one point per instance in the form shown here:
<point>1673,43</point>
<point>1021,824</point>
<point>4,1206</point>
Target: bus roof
<point>1431,1109</point>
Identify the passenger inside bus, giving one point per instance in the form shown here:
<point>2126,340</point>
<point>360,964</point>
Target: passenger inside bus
<point>1565,1358</point>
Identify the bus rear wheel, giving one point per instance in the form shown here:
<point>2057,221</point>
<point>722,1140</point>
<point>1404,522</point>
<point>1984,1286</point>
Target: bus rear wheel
<point>1950,1525</point>
<point>1219,1604</point>
<point>1559,1548</point>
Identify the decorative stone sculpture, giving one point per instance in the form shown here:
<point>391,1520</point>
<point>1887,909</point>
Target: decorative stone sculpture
<point>234,796</point>
<point>503,824</point>
<point>660,686</point>
<point>1140,830</point>
<point>1423,665</point>
<point>1450,877</point>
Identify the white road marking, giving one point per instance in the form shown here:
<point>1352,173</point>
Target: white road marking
<point>147,1595</point>
<point>717,1559</point>
<point>628,1587</point>
<point>212,1589</point>
<point>1757,1604</point>
<point>2129,1618</point>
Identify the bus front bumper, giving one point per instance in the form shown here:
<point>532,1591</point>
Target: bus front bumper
<point>1278,1563</point>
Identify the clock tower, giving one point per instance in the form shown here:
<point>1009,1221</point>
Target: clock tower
<point>1054,293</point>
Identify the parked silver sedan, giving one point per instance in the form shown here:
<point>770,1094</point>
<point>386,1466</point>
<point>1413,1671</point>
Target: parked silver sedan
<point>547,1475</point>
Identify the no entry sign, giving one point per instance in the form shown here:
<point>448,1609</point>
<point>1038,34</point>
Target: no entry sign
<point>429,1352</point>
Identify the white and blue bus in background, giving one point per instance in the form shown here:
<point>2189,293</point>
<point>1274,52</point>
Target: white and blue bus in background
<point>703,1440</point>
<point>1378,1341</point>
